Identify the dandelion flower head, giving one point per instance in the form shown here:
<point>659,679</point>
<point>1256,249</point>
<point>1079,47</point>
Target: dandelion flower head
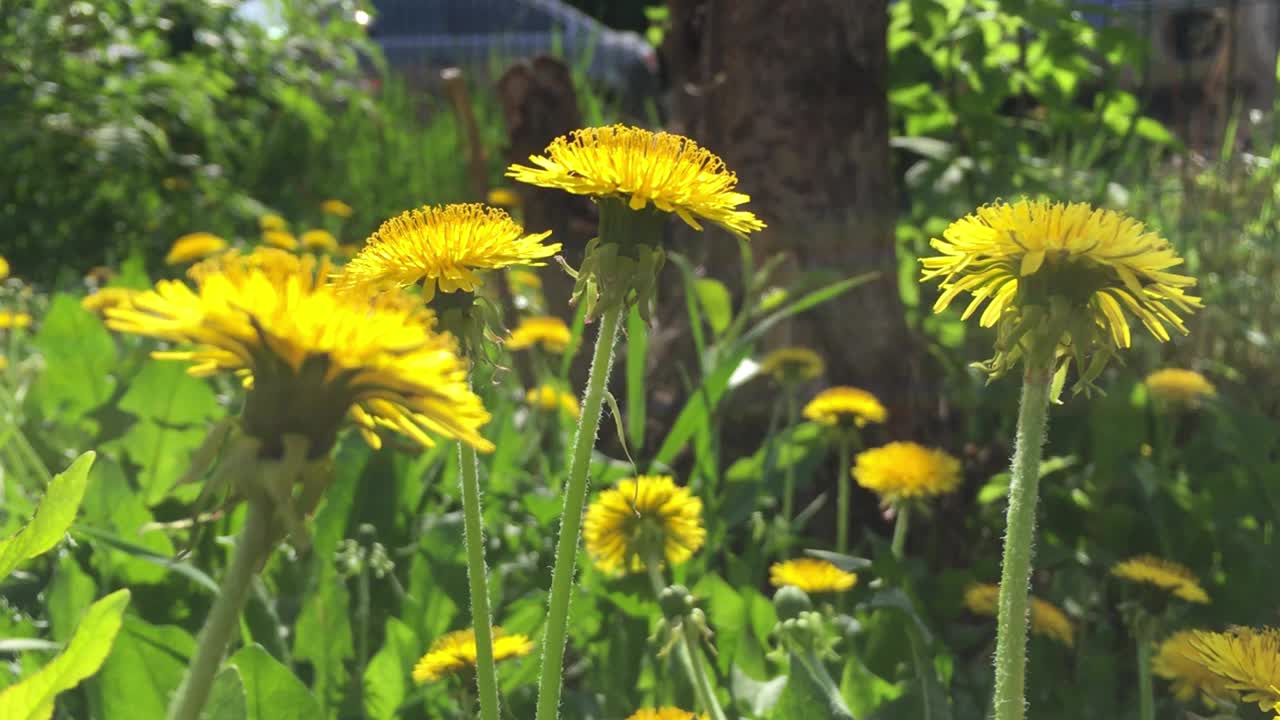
<point>4,268</point>
<point>194,246</point>
<point>811,575</point>
<point>456,652</point>
<point>444,248</point>
<point>1176,660</point>
<point>14,320</point>
<point>1164,574</point>
<point>640,517</point>
<point>551,398</point>
<point>793,364</point>
<point>1047,619</point>
<point>271,221</point>
<point>309,354</point>
<point>1185,388</point>
<point>548,331</point>
<point>1248,659</point>
<point>280,239</point>
<point>641,167</point>
<point>846,406</point>
<point>665,713</point>
<point>321,241</point>
<point>906,470</point>
<point>1083,269</point>
<point>336,208</point>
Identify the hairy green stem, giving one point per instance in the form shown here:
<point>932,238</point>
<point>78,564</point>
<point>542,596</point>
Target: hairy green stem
<point>224,617</point>
<point>844,490</point>
<point>687,652</point>
<point>900,528</point>
<point>1146,694</point>
<point>575,495</point>
<point>1015,576</point>
<point>477,576</point>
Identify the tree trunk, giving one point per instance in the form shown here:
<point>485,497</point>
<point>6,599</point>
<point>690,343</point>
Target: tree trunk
<point>794,97</point>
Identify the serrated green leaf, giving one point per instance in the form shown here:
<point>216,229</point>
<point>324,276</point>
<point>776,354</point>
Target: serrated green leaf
<point>810,693</point>
<point>80,358</point>
<point>226,699</point>
<point>145,666</point>
<point>112,506</point>
<point>271,691</point>
<point>163,453</point>
<point>54,516</point>
<point>32,698</point>
<point>386,679</point>
<point>70,592</point>
<point>163,392</point>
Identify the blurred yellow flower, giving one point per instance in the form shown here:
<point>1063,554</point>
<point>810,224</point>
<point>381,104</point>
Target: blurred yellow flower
<point>665,713</point>
<point>272,222</point>
<point>811,575</point>
<point>337,208</point>
<point>641,167</point>
<point>9,319</point>
<point>321,241</point>
<point>107,297</point>
<point>4,268</point>
<point>1080,268</point>
<point>546,330</point>
<point>444,248</point>
<point>1247,658</point>
<point>521,278</point>
<point>99,275</point>
<point>1046,618</point>
<point>793,364</point>
<point>281,239</point>
<point>642,517</point>
<point>456,652</point>
<point>1164,574</point>
<point>1179,387</point>
<point>503,197</point>
<point>1176,661</point>
<point>549,397</point>
<point>309,354</point>
<point>194,246</point>
<point>4,362</point>
<point>843,405</point>
<point>906,470</point>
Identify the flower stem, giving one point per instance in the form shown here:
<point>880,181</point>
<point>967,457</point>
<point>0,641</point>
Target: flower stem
<point>473,529</point>
<point>1146,695</point>
<point>1015,577</point>
<point>789,481</point>
<point>575,495</point>
<point>687,652</point>
<point>844,489</point>
<point>224,617</point>
<point>900,527</point>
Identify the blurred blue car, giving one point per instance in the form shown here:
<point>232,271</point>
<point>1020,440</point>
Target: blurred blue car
<point>483,36</point>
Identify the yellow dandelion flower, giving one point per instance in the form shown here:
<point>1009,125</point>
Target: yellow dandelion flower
<point>445,248</point>
<point>642,167</point>
<point>643,516</point>
<point>1179,387</point>
<point>272,222</point>
<point>281,239</point>
<point>1164,574</point>
<point>906,470</point>
<point>1081,269</point>
<point>793,364</point>
<point>1248,659</point>
<point>1047,619</point>
<point>107,297</point>
<point>310,354</point>
<point>4,362</point>
<point>337,208</point>
<point>547,330</point>
<point>4,268</point>
<point>194,246</point>
<point>843,405</point>
<point>811,575</point>
<point>319,241</point>
<point>550,398</point>
<point>504,198</point>
<point>10,319</point>
<point>456,652</point>
<point>521,279</point>
<point>1176,661</point>
<point>665,713</point>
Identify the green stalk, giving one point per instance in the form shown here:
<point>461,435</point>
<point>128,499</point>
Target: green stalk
<point>1146,694</point>
<point>224,617</point>
<point>473,531</point>
<point>686,652</point>
<point>789,483</point>
<point>1015,577</point>
<point>900,527</point>
<point>844,489</point>
<point>553,642</point>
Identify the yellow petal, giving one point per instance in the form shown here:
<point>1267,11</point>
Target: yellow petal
<point>1031,262</point>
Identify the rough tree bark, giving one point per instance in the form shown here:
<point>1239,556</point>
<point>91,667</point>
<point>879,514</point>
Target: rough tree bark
<point>793,96</point>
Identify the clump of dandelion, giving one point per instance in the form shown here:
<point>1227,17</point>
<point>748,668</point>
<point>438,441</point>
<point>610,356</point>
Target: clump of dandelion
<point>194,246</point>
<point>455,652</point>
<point>845,410</point>
<point>811,575</point>
<point>10,320</point>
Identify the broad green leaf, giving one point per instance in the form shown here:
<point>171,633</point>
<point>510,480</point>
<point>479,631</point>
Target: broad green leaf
<point>810,693</point>
<point>386,679</point>
<point>760,697</point>
<point>145,667</point>
<point>70,592</point>
<point>323,635</point>
<point>271,691</point>
<point>112,507</point>
<point>716,303</point>
<point>226,699</point>
<point>79,355</point>
<point>32,698</point>
<point>52,519</point>
<point>164,454</point>
<point>163,392</point>
<point>864,690</point>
